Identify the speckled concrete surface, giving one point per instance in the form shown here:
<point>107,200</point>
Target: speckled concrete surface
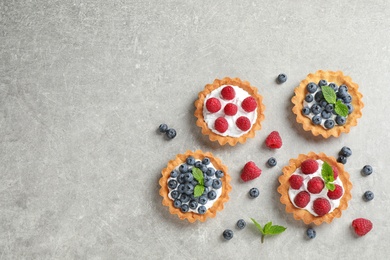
<point>85,84</point>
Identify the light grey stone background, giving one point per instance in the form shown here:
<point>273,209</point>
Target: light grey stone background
<point>85,84</point>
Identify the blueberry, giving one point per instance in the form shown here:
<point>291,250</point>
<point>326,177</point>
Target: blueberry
<point>206,190</point>
<point>347,99</point>
<point>333,86</point>
<point>342,159</point>
<point>193,204</point>
<point>203,199</point>
<point>325,114</point>
<point>329,124</point>
<point>340,120</point>
<point>241,224</point>
<point>206,161</point>
<point>346,151</point>
<point>171,133</point>
<point>202,209</point>
<point>368,195</point>
<point>318,96</point>
<point>181,188</point>
<point>190,160</point>
<point>343,91</point>
<point>172,184</point>
<point>316,120</point>
<point>311,233</point>
<point>367,170</point>
<point>309,98</point>
<point>203,168</point>
<point>181,178</point>
<point>188,188</point>
<point>198,164</point>
<point>219,174</point>
<point>208,181</point>
<point>210,172</point>
<point>316,109</point>
<point>323,103</point>
<point>217,183</point>
<point>329,108</point>
<point>322,82</point>
<point>175,194</point>
<point>184,198</point>
<point>271,162</point>
<point>281,78</point>
<point>350,108</point>
<point>184,208</point>
<point>227,234</point>
<point>211,195</point>
<point>194,182</point>
<point>312,87</point>
<point>163,128</point>
<point>174,174</point>
<point>254,192</point>
<point>183,168</point>
<point>306,110</point>
<point>177,203</point>
<point>188,177</point>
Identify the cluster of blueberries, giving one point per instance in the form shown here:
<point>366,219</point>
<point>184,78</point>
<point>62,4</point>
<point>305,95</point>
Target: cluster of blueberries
<point>321,109</point>
<point>228,233</point>
<point>182,185</point>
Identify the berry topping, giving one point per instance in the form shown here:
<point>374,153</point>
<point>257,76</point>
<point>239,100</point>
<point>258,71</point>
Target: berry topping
<point>163,128</point>
<point>306,110</point>
<point>295,181</point>
<point>340,120</point>
<point>367,170</point>
<point>321,206</point>
<point>336,193</point>
<point>368,195</point>
<point>316,120</point>
<point>213,105</point>
<point>221,124</point>
<point>254,192</point>
<point>281,78</point>
<point>329,124</point>
<point>309,98</point>
<point>171,133</point>
<point>315,185</point>
<point>271,162</point>
<point>219,174</point>
<point>227,234</point>
<point>202,209</point>
<point>302,199</point>
<point>250,171</point>
<point>184,208</point>
<point>249,104</point>
<point>241,224</point>
<point>311,233</point>
<point>190,160</point>
<point>309,166</point>
<point>335,172</point>
<point>322,82</point>
<point>228,93</point>
<point>273,140</point>
<point>230,109</point>
<point>211,195</point>
<point>243,123</point>
<point>206,161</point>
<point>361,226</point>
<point>312,87</point>
<point>217,183</point>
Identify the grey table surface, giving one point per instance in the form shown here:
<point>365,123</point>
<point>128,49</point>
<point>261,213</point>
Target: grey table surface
<point>85,84</point>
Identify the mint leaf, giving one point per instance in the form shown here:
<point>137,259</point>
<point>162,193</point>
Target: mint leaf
<point>268,229</point>
<point>198,190</point>
<point>330,186</point>
<point>327,172</point>
<point>198,174</point>
<point>257,225</point>
<point>341,109</point>
<point>329,94</point>
<point>274,230</point>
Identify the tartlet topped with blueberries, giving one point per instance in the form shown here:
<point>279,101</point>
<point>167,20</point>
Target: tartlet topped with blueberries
<point>327,103</point>
<point>195,185</point>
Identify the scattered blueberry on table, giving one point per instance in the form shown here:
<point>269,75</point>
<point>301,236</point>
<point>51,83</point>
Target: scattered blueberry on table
<point>227,234</point>
<point>254,192</point>
<point>311,233</point>
<point>368,195</point>
<point>241,224</point>
<point>367,170</point>
<point>271,162</point>
<point>281,78</point>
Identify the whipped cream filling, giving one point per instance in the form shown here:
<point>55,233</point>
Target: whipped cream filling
<point>323,194</point>
<point>232,130</point>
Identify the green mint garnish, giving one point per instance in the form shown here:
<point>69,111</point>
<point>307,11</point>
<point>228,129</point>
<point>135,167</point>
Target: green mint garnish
<point>198,175</point>
<point>268,229</point>
<point>198,190</point>
<point>340,108</point>
<point>330,96</point>
<point>327,175</point>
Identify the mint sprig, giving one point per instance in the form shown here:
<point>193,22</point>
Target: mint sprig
<point>198,175</point>
<point>330,96</point>
<point>268,229</point>
<point>327,175</point>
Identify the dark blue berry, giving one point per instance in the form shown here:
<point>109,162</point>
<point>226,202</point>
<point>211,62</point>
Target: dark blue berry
<point>172,184</point>
<point>347,99</point>
<point>350,108</point>
<point>203,168</point>
<point>311,233</point>
<point>241,224</point>
<point>340,120</point>
<point>333,86</point>
<point>208,181</point>
<point>188,177</point>
<point>281,78</point>
<point>193,204</point>
<point>198,164</point>
<point>316,109</point>
<point>322,82</point>
<point>174,174</point>
<point>183,168</point>
<point>181,178</point>
<point>312,87</point>
<point>177,203</point>
<point>184,208</point>
<point>211,195</point>
<point>306,110</point>
<point>368,195</point>
<point>219,174</point>
<point>181,188</point>
<point>325,114</point>
<point>342,92</point>
<point>227,234</point>
<point>329,124</point>
<point>254,192</point>
<point>184,198</point>
<point>342,159</point>
<point>309,98</point>
<point>323,103</point>
<point>318,96</point>
<point>203,199</point>
<point>194,182</point>
<point>346,151</point>
<point>190,160</point>
<point>171,133</point>
<point>329,108</point>
<point>175,194</point>
<point>271,162</point>
<point>188,188</point>
<point>163,128</point>
<point>202,209</point>
<point>206,161</point>
<point>210,172</point>
<point>217,183</point>
<point>316,120</point>
<point>367,170</point>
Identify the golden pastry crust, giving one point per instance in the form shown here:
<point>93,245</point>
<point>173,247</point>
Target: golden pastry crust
<point>302,214</point>
<point>218,204</point>
<point>222,140</point>
<point>331,76</point>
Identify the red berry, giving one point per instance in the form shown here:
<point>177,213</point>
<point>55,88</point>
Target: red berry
<point>250,171</point>
<point>335,172</point>
<point>249,104</point>
<point>336,194</point>
<point>230,109</point>
<point>361,226</point>
<point>273,140</point>
<point>228,93</point>
<point>295,181</point>
<point>243,123</point>
<point>302,199</point>
<point>221,124</point>
<point>213,105</point>
<point>309,166</point>
<point>321,206</point>
<point>315,185</point>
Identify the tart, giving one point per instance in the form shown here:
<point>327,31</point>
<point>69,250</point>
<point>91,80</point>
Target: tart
<point>229,111</point>
<point>327,103</point>
<point>195,185</point>
<point>315,188</point>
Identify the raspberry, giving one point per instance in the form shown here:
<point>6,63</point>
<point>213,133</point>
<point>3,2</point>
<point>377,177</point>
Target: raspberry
<point>321,206</point>
<point>273,140</point>
<point>315,185</point>
<point>335,172</point>
<point>309,166</point>
<point>249,104</point>
<point>295,181</point>
<point>243,123</point>
<point>250,171</point>
<point>302,199</point>
<point>361,226</point>
<point>213,105</point>
<point>230,109</point>
<point>221,124</point>
<point>228,93</point>
<point>336,194</point>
